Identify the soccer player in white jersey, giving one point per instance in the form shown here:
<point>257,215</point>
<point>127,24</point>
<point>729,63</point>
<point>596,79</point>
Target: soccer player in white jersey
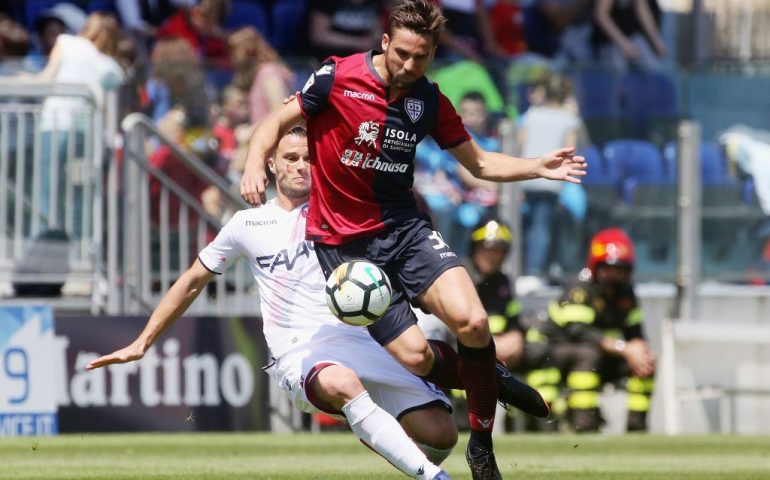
<point>323,364</point>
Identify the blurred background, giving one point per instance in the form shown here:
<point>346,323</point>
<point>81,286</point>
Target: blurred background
<point>123,129</point>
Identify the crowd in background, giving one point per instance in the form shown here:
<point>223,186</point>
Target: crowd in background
<point>208,71</point>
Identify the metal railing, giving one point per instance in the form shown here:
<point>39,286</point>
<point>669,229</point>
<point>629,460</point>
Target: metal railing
<point>162,228</point>
<point>52,148</point>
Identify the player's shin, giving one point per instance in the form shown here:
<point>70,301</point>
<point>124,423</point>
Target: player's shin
<point>476,367</point>
<point>383,434</point>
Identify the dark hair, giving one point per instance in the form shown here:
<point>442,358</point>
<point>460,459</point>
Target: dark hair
<point>556,87</point>
<point>474,96</point>
<point>298,130</point>
<point>419,16</point>
<point>14,38</point>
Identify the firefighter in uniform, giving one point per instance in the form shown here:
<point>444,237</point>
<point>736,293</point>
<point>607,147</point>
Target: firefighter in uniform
<point>595,336</point>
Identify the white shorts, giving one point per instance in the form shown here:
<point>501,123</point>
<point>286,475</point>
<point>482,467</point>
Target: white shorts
<point>389,384</point>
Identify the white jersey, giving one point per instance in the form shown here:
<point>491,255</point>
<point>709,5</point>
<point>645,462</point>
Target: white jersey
<point>289,278</point>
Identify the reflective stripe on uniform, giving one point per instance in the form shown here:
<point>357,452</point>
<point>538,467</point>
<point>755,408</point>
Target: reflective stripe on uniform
<point>562,315</point>
<point>634,317</point>
<point>536,336</point>
<point>457,393</point>
<point>612,333</point>
<point>640,385</point>
<point>544,376</point>
<point>582,400</point>
<point>638,402</point>
<point>549,393</point>
<point>513,308</point>
<point>583,381</point>
<point>497,324</point>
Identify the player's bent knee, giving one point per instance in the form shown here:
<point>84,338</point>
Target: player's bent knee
<point>474,332</point>
<point>337,385</point>
<point>418,363</point>
<point>432,427</point>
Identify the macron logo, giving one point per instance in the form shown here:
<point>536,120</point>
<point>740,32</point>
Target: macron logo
<point>359,95</point>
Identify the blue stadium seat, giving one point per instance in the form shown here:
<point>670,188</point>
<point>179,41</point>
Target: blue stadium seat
<point>597,92</point>
<point>600,172</point>
<point>713,164</point>
<point>287,20</point>
<point>252,13</point>
<point>101,6</point>
<point>637,159</point>
<point>34,8</point>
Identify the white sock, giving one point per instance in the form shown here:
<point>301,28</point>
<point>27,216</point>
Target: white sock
<point>380,431</point>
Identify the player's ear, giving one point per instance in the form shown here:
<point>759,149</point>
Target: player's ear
<point>271,165</point>
<point>385,42</point>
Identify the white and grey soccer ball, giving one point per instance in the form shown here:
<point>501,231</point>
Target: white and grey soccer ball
<point>358,292</point>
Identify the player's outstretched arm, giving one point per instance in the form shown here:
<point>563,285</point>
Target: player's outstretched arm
<point>176,301</point>
<point>261,144</point>
<point>561,164</point>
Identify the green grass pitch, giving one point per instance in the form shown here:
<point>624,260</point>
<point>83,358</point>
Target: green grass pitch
<point>340,456</point>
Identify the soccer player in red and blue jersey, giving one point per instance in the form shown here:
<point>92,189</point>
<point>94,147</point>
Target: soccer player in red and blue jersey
<point>365,115</point>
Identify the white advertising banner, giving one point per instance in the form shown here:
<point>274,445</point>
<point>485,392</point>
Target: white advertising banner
<point>28,358</point>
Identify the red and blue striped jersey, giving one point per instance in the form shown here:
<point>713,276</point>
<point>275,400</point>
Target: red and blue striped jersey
<point>362,147</point>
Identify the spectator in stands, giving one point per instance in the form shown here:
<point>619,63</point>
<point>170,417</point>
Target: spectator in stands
<point>200,142</point>
<point>469,33</point>
<point>542,126</point>
<point>200,24</point>
<point>61,18</point>
<point>89,59</point>
<point>626,33</point>
<point>506,19</point>
<point>561,29</point>
<point>176,78</point>
<point>457,199</point>
<point>260,71</point>
<point>233,113</point>
<point>14,45</point>
<point>344,27</point>
<point>145,16</point>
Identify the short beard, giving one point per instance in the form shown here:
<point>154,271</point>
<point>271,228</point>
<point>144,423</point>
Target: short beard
<point>295,193</point>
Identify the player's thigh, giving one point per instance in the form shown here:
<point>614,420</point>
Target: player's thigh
<point>432,426</point>
<point>452,297</point>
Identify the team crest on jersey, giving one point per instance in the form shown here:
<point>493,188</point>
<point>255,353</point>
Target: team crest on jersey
<point>414,108</point>
<point>368,132</point>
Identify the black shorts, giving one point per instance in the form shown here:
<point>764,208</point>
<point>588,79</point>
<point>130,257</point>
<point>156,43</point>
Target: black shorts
<point>412,254</point>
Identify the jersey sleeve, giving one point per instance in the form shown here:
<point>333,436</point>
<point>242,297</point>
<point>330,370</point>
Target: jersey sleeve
<point>450,131</point>
<point>315,94</point>
<point>223,251</point>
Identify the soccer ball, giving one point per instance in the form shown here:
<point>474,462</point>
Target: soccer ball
<point>358,292</point>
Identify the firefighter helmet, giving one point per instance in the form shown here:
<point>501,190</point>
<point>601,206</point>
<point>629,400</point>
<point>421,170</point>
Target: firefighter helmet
<point>492,233</point>
<point>610,246</point>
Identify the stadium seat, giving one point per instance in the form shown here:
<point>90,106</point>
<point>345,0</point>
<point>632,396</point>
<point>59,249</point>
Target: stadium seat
<point>245,13</point>
<point>598,95</point>
<point>33,10</point>
<point>727,221</point>
<point>713,163</point>
<point>648,211</point>
<point>599,172</point>
<point>287,20</point>
<point>101,6</point>
<point>637,159</point>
